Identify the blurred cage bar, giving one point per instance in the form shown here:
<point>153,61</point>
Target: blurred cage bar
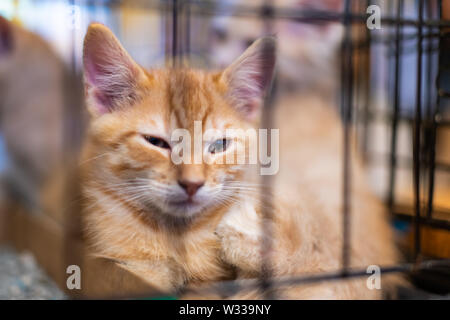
<point>421,172</point>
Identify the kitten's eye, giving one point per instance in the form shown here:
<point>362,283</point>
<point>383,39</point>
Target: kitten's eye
<point>219,146</point>
<point>157,142</point>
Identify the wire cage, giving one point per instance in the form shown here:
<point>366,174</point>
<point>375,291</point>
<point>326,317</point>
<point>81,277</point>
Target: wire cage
<point>423,35</point>
<point>416,105</point>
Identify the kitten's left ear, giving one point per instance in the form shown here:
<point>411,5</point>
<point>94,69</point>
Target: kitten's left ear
<point>250,76</point>
<point>111,76</point>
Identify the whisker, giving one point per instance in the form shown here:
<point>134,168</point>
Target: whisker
<point>93,158</point>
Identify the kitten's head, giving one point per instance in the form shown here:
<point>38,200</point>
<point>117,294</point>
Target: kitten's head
<point>135,113</point>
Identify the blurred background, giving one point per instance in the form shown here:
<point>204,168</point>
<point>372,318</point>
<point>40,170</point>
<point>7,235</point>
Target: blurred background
<point>42,120</point>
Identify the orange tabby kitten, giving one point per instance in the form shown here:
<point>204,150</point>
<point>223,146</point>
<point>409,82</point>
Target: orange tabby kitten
<point>190,224</point>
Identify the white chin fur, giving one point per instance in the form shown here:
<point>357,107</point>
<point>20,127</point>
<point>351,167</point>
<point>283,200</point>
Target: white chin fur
<point>184,210</point>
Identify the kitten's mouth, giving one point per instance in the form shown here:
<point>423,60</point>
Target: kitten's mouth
<point>185,208</point>
<point>189,202</point>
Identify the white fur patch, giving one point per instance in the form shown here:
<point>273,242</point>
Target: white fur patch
<point>244,219</point>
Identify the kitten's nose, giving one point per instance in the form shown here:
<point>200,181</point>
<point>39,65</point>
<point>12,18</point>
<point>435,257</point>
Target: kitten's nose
<point>191,187</point>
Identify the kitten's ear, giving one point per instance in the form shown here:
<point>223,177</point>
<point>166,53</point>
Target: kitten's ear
<point>250,76</point>
<point>111,76</point>
<point>5,36</point>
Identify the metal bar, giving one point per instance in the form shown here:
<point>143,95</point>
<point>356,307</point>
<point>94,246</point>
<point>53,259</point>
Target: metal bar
<point>429,56</point>
<point>302,15</point>
<point>167,34</point>
<point>346,105</point>
<point>174,32</point>
<point>394,124</point>
<point>360,77</point>
<point>367,97</point>
<point>435,223</point>
<point>404,117</point>
<point>208,8</point>
<point>432,134</point>
<point>73,103</point>
<point>234,286</point>
<point>417,135</point>
<point>406,162</point>
<point>265,283</point>
<point>187,37</point>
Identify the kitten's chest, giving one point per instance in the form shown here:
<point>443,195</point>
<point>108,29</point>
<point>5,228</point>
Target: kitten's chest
<point>199,256</point>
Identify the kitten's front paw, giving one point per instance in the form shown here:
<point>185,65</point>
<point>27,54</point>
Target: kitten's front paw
<point>240,236</point>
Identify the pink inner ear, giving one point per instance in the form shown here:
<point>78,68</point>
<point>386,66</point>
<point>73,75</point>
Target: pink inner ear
<point>90,71</point>
<point>250,108</point>
<point>250,79</point>
<point>96,78</point>
<point>101,63</point>
<point>104,104</point>
<point>109,72</point>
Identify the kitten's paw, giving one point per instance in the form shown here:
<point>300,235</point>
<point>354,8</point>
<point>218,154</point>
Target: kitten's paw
<point>240,236</point>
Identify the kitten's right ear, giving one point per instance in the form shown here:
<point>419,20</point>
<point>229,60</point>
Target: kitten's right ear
<point>111,76</point>
<point>250,76</point>
<point>5,36</point>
